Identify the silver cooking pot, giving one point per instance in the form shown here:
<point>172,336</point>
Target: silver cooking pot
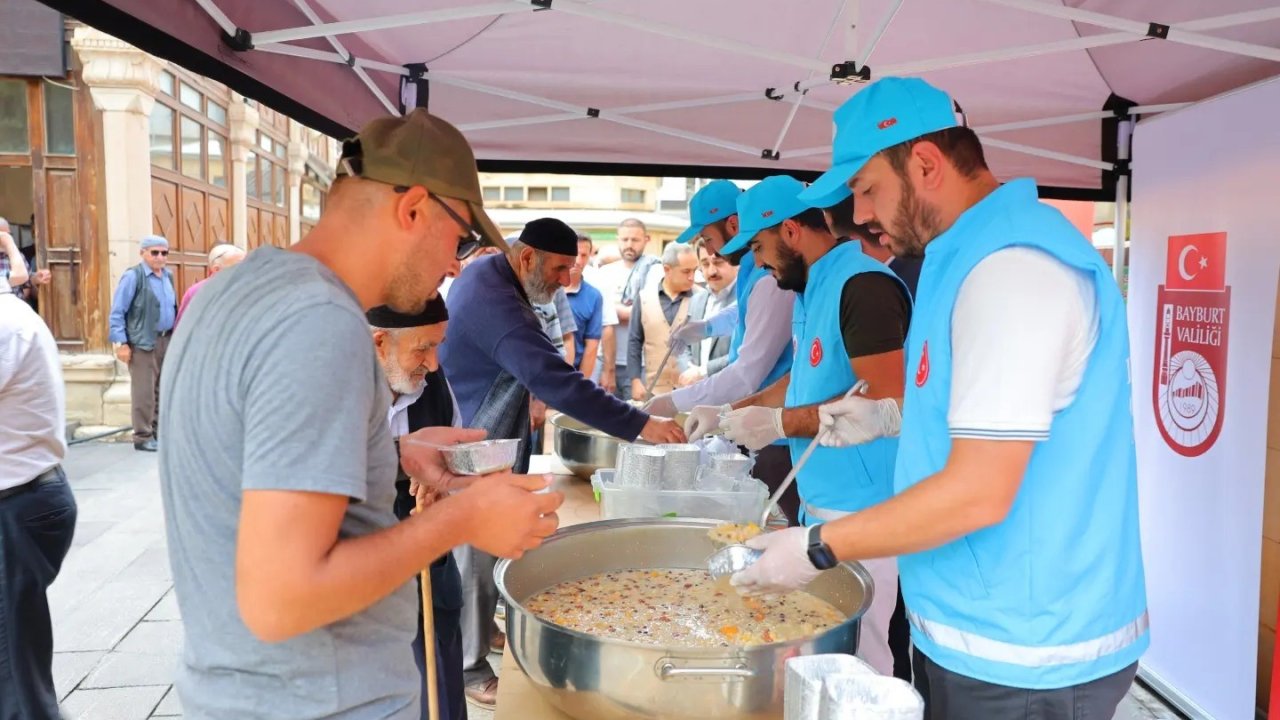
<point>583,449</point>
<point>594,678</point>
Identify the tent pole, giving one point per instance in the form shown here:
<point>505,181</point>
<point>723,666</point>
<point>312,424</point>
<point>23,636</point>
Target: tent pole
<point>338,47</point>
<point>1050,154</point>
<point>798,96</point>
<point>1175,33</point>
<point>865,56</point>
<point>218,16</point>
<point>1119,257</point>
<point>389,21</point>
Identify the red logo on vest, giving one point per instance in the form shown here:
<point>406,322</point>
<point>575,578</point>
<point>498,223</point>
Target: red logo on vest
<point>922,370</point>
<point>815,352</point>
<point>886,124</point>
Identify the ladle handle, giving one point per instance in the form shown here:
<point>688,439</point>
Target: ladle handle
<point>859,387</point>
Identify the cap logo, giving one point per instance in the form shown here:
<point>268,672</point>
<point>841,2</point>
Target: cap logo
<point>767,213</point>
<point>713,211</point>
<point>886,124</point>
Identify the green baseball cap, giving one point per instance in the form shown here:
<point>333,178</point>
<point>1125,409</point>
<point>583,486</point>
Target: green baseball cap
<point>419,148</point>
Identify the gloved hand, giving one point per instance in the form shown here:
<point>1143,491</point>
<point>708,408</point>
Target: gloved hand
<point>856,420</point>
<point>754,427</point>
<point>704,420</point>
<point>662,406</point>
<point>785,565</point>
<point>687,333</point>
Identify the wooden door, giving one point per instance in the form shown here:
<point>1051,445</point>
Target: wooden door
<point>189,255</point>
<point>61,304</point>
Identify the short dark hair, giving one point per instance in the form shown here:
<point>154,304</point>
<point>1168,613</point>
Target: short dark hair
<point>842,222</point>
<point>586,239</point>
<point>960,145</point>
<point>812,219</point>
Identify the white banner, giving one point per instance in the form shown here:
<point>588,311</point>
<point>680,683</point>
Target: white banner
<point>1202,292</point>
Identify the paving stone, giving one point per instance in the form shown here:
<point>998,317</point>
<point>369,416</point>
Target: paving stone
<point>170,706</point>
<point>166,609</point>
<point>154,638</point>
<point>106,616</point>
<point>152,564</point>
<point>127,703</point>
<point>89,530</point>
<point>129,669</point>
<point>69,668</point>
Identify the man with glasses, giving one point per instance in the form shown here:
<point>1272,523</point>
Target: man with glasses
<point>278,473</point>
<point>221,257</point>
<point>143,313</point>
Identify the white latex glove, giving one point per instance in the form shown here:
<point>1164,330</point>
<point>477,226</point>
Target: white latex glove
<point>754,427</point>
<point>785,565</point>
<point>662,406</point>
<point>704,420</point>
<point>687,333</point>
<point>856,420</point>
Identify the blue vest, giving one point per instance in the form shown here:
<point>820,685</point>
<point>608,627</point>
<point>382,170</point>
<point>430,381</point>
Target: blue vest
<point>748,276</point>
<point>845,479</point>
<point>1054,595</point>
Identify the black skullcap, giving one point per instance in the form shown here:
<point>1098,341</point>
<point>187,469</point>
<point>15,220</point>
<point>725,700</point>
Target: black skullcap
<point>388,319</point>
<point>550,235</point>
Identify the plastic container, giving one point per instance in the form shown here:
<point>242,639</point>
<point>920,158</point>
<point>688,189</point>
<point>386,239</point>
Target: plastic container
<point>630,502</point>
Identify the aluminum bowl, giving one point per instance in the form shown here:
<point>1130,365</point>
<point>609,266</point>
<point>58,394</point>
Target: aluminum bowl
<point>481,458</point>
<point>594,678</point>
<point>583,449</point>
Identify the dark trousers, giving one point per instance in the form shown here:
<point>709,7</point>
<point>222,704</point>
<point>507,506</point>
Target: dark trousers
<point>448,650</point>
<point>956,697</point>
<point>772,465</point>
<point>623,391</point>
<point>144,387</point>
<point>900,639</point>
<point>36,527</point>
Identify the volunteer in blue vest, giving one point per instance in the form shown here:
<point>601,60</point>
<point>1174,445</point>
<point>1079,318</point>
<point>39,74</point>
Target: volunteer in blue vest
<point>849,325</point>
<point>760,344</point>
<point>1016,513</point>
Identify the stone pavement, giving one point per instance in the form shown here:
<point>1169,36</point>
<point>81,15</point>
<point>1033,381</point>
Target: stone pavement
<point>117,633</point>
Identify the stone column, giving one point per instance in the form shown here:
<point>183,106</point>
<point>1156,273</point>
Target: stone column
<point>244,121</point>
<point>298,154</point>
<point>122,81</point>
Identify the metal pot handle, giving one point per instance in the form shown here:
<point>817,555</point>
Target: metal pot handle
<point>668,670</point>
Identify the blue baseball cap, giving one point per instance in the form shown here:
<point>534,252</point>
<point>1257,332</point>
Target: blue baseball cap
<point>772,200</point>
<point>715,201</point>
<point>885,113</point>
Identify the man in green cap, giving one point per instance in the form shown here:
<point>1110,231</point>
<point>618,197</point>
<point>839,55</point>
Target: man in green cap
<point>278,470</point>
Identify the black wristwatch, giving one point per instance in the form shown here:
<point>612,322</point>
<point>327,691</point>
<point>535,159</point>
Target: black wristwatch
<point>820,553</point>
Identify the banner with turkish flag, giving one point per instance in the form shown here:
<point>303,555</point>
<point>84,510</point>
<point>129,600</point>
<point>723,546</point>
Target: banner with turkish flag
<point>1197,262</point>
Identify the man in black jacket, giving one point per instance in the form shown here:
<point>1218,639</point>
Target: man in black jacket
<point>406,348</point>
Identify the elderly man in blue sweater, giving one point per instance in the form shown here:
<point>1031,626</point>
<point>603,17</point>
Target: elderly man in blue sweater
<point>495,356</point>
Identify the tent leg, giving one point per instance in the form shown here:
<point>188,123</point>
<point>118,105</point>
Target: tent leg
<point>1119,257</point>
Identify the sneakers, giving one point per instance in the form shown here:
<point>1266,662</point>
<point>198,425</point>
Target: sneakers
<point>483,694</point>
<point>148,445</point>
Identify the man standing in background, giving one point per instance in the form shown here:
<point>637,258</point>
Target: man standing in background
<point>13,267</point>
<point>660,308</point>
<point>143,313</point>
<point>840,220</point>
<point>221,257</point>
<point>588,310</point>
<point>37,510</point>
<point>711,355</point>
<point>621,283</point>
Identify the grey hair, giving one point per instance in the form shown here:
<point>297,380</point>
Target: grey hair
<point>393,333</point>
<point>672,252</point>
<point>221,252</point>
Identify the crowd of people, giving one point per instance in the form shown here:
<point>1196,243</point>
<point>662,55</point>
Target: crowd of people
<point>971,415</point>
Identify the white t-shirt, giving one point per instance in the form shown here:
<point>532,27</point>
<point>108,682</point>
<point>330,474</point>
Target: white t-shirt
<point>1023,327</point>
<point>33,422</point>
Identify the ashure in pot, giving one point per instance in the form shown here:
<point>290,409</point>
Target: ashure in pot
<point>594,678</point>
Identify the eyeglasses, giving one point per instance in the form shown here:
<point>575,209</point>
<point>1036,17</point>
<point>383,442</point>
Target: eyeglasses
<point>159,253</point>
<point>472,240</point>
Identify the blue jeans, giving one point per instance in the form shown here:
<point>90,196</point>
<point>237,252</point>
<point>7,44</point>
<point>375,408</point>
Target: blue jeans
<point>36,527</point>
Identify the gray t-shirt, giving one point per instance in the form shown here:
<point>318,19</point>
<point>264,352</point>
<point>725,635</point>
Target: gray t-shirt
<point>271,383</point>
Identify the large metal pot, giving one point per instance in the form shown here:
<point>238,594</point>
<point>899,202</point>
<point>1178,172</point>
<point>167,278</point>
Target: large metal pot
<point>593,678</point>
<point>583,449</point>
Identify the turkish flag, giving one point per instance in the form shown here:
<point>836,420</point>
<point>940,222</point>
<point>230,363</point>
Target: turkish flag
<point>1196,262</point>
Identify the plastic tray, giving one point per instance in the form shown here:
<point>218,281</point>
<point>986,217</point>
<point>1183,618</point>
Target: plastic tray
<point>626,502</point>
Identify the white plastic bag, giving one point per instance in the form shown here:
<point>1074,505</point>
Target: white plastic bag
<point>802,693</point>
<point>869,697</point>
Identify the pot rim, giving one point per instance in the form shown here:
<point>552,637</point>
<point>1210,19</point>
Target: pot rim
<point>500,580</point>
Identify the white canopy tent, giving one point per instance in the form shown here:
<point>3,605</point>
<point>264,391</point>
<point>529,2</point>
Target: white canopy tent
<point>734,88</point>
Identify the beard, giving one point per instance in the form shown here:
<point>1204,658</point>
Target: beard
<point>540,290</point>
<point>791,272</point>
<point>914,225</point>
<point>401,382</point>
<point>629,254</point>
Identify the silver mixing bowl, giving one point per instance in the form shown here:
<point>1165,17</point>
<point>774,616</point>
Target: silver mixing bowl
<point>594,678</point>
<point>582,449</point>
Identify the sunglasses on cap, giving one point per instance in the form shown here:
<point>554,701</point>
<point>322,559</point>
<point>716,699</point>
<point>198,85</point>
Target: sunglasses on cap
<point>468,243</point>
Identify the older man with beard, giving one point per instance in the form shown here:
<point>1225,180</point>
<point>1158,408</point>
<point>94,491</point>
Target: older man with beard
<point>406,345</point>
<point>496,355</point>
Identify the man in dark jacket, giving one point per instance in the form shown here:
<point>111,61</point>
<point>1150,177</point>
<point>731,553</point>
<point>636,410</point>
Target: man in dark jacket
<point>142,316</point>
<point>406,346</point>
<point>496,355</point>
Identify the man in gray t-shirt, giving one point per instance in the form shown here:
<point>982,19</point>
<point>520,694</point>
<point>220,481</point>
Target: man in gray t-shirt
<point>278,469</point>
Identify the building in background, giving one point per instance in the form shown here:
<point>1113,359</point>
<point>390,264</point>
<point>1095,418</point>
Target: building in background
<point>101,144</point>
